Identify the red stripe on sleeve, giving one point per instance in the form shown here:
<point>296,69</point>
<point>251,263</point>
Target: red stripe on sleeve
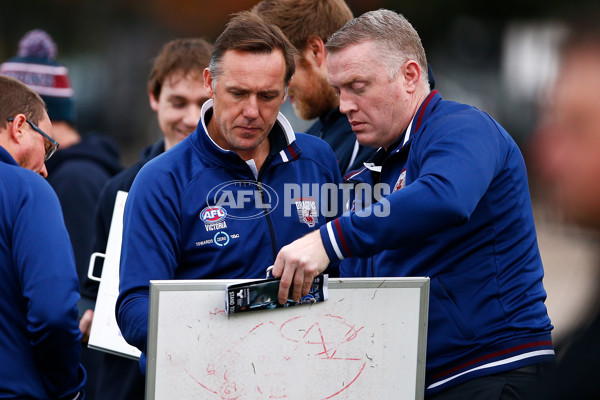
<point>338,228</point>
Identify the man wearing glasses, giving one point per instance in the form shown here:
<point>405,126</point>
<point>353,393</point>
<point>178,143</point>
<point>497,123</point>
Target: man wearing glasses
<point>50,144</point>
<point>25,152</point>
<point>39,334</point>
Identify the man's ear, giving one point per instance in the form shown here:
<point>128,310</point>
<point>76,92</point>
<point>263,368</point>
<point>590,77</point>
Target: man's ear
<point>315,50</point>
<point>412,75</point>
<point>208,83</point>
<point>153,100</point>
<point>16,128</point>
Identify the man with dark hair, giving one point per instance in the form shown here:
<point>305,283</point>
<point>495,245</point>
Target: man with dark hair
<point>208,208</point>
<point>457,210</point>
<point>39,334</point>
<point>179,67</point>
<point>176,92</point>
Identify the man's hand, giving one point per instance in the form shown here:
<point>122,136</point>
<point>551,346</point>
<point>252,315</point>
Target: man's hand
<point>85,325</point>
<point>298,264</point>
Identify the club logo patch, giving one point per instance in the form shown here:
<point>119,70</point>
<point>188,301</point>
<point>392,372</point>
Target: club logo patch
<point>211,215</point>
<point>401,181</point>
<point>307,211</point>
<point>213,218</point>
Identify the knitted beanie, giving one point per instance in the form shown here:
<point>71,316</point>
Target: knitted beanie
<point>35,65</point>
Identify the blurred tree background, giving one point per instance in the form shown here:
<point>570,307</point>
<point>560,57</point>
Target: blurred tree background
<point>108,46</point>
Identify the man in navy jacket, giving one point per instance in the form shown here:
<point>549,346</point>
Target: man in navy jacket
<point>457,209</point>
<point>223,202</point>
<point>39,332</point>
<point>80,167</point>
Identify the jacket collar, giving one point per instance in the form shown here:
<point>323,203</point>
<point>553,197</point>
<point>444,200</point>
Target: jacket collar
<point>282,139</point>
<point>412,133</point>
<point>5,157</point>
<point>424,112</point>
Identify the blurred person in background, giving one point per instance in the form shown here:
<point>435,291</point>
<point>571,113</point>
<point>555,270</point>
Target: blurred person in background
<point>566,148</point>
<point>80,167</point>
<point>40,341</point>
<point>176,93</point>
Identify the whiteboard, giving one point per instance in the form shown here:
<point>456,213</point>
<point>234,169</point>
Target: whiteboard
<point>367,341</point>
<point>105,334</point>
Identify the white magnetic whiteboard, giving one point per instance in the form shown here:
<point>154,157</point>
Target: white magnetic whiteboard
<point>105,334</point>
<point>367,341</point>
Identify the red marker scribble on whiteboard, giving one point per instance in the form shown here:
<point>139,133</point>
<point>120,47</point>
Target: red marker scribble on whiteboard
<point>292,330</point>
<point>227,390</point>
<point>332,346</point>
<point>348,384</point>
<point>320,338</point>
<point>216,312</point>
<point>256,327</point>
<point>271,396</point>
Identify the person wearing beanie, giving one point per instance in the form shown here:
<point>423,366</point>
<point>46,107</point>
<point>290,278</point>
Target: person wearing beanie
<point>80,167</point>
<point>35,65</point>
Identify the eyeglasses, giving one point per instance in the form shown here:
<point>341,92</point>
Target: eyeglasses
<point>50,147</point>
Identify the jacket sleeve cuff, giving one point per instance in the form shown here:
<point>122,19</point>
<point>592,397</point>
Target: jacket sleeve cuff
<point>333,240</point>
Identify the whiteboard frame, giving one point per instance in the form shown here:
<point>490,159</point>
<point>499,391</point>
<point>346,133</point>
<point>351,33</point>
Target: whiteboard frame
<point>163,286</point>
<point>105,334</point>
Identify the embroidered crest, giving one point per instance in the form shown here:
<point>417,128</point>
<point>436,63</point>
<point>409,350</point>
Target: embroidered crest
<point>211,215</point>
<point>401,182</point>
<point>213,218</point>
<point>307,211</point>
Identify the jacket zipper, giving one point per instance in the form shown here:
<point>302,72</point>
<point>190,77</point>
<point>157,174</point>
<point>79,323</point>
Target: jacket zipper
<point>261,173</point>
<point>268,218</point>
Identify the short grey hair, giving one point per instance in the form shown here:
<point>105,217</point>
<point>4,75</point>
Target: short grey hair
<point>397,40</point>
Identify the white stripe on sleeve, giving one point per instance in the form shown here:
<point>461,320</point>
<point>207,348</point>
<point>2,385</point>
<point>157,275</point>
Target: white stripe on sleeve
<point>336,248</point>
